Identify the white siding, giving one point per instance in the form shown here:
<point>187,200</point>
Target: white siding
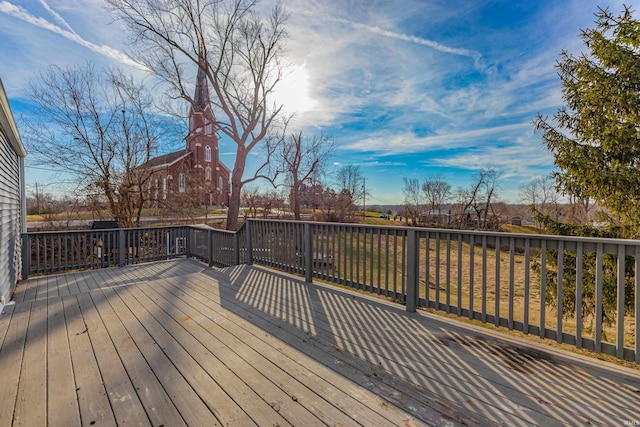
<point>10,218</point>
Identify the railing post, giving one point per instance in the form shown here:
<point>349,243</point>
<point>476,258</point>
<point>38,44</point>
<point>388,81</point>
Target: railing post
<point>121,247</point>
<point>308,253</point>
<point>26,256</point>
<point>210,249</point>
<point>236,248</point>
<point>187,241</point>
<point>247,227</point>
<point>412,270</point>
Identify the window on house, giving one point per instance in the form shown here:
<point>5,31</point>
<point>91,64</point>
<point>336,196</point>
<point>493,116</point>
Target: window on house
<point>207,154</point>
<point>220,187</point>
<point>155,188</point>
<point>164,188</point>
<point>207,173</point>
<point>181,183</point>
<point>208,129</point>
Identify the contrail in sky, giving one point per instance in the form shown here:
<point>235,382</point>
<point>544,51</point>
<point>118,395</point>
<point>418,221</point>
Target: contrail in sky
<point>414,39</point>
<point>24,15</point>
<point>57,16</point>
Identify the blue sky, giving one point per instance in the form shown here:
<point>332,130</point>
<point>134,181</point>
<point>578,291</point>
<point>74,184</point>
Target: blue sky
<point>406,88</point>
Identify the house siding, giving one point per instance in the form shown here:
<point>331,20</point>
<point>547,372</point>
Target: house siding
<point>10,218</point>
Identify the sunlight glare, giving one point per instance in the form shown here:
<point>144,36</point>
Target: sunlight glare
<point>293,91</point>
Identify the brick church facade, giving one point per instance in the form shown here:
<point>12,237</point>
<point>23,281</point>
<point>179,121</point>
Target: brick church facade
<point>194,173</point>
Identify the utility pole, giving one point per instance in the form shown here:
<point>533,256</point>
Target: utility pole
<point>364,197</point>
<point>37,199</point>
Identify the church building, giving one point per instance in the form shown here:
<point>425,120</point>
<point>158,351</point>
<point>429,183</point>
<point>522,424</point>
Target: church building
<point>194,173</point>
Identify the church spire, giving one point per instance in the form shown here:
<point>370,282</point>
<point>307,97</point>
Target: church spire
<point>201,96</point>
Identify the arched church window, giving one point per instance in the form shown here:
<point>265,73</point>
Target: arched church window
<point>181,183</point>
<point>164,188</point>
<point>207,173</point>
<point>207,153</point>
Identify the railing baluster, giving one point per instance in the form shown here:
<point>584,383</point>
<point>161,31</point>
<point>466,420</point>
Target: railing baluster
<point>543,286</point>
<point>427,270</point>
<point>371,260</point>
<point>404,266</point>
<point>459,274</point>
<point>365,233</point>
<point>386,272</point>
<point>620,303</point>
<point>598,335</point>
<point>413,246</point>
<point>527,278</point>
<point>437,271</point>
<point>471,274</point>
<point>448,275</point>
<point>395,260</point>
<point>358,285</point>
<point>579,295</point>
<point>379,260</point>
<point>559,292</point>
<point>496,311</point>
<point>512,251</point>
<point>637,304</point>
<point>484,278</point>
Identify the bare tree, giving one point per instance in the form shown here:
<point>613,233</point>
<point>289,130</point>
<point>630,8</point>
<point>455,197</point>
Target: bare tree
<point>436,191</point>
<point>579,209</point>
<point>241,54</point>
<point>350,184</point>
<point>99,128</point>
<point>302,160</point>
<point>479,196</point>
<point>541,195</point>
<point>250,199</point>
<point>413,199</point>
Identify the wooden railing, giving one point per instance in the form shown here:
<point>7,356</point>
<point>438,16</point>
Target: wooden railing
<point>555,287</point>
<point>581,291</point>
<point>57,251</point>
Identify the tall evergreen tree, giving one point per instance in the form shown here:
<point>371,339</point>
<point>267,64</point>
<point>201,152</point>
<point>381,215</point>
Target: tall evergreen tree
<point>595,138</point>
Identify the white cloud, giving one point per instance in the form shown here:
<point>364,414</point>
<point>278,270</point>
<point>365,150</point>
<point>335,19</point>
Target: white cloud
<point>24,15</point>
<point>394,143</point>
<point>521,159</point>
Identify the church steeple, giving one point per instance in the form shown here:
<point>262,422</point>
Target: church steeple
<point>201,96</point>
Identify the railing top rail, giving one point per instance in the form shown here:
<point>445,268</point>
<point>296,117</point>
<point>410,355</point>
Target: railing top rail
<point>603,240</point>
<point>103,230</point>
<point>205,227</point>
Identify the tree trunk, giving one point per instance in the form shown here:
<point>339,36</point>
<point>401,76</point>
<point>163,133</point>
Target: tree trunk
<point>296,200</point>
<point>236,190</point>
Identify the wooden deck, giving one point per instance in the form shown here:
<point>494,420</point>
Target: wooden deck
<point>176,343</point>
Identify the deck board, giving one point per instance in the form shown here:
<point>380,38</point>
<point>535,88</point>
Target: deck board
<point>157,404</point>
<point>227,379</point>
<point>345,397</point>
<point>62,404</point>
<point>209,392</point>
<point>11,355</point>
<point>325,349</point>
<point>31,401</point>
<point>178,343</point>
<point>184,397</point>
<point>123,398</point>
<point>259,364</point>
<point>93,401</point>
